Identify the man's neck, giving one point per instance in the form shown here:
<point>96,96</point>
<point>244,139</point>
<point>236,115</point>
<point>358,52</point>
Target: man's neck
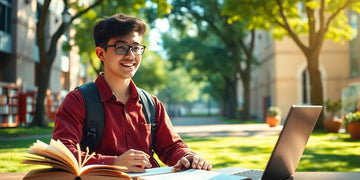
<point>120,87</point>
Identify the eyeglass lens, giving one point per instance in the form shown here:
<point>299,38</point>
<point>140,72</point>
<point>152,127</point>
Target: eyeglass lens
<point>123,49</point>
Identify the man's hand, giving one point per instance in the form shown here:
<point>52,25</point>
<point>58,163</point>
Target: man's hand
<point>192,161</point>
<point>134,160</point>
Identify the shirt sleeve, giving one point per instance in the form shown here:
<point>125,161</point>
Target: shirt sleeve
<point>168,145</point>
<point>69,123</point>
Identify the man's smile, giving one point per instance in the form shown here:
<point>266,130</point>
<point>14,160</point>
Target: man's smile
<point>128,64</point>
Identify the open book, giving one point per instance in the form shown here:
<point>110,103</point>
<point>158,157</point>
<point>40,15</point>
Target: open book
<point>168,173</point>
<point>64,165</point>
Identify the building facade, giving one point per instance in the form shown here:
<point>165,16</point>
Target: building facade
<point>282,79</point>
<point>19,50</point>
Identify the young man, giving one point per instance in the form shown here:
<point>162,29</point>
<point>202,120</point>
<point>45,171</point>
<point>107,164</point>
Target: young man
<point>127,136</point>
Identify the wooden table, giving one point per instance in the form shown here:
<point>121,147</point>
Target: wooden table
<point>11,176</point>
<point>327,175</point>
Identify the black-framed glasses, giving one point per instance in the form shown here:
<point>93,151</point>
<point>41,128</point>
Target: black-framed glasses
<point>122,49</point>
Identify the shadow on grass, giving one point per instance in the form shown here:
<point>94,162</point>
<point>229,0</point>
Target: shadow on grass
<point>312,161</point>
<point>325,152</point>
<point>25,143</point>
<point>24,131</point>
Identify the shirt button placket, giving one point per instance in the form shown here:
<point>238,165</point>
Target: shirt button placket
<point>127,122</point>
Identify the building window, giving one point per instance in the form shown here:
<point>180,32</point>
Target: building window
<point>354,46</point>
<point>5,16</point>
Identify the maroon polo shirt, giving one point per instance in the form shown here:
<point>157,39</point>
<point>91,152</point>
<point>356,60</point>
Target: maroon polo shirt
<point>125,127</point>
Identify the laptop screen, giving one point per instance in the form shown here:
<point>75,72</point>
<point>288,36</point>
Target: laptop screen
<point>292,141</point>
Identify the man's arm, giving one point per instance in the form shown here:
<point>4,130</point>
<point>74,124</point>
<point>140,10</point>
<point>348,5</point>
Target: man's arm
<point>69,123</point>
<point>171,149</point>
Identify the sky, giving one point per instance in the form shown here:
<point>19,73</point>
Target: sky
<point>161,25</point>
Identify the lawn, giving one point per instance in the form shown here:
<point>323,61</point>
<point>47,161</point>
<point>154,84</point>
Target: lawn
<point>24,131</point>
<point>324,152</point>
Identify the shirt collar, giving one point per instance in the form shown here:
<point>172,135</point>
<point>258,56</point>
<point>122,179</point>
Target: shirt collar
<point>105,91</point>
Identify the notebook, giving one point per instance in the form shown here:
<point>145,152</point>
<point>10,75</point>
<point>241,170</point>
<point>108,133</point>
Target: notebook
<point>289,146</point>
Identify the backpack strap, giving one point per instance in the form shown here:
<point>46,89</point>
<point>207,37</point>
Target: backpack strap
<point>149,109</point>
<point>94,118</point>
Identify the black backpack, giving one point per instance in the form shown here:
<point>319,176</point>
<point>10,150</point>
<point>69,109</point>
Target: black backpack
<point>94,119</point>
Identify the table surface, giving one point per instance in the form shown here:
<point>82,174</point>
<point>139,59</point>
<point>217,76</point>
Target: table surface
<point>326,175</point>
<point>297,176</point>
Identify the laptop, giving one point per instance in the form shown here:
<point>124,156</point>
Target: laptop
<point>289,146</point>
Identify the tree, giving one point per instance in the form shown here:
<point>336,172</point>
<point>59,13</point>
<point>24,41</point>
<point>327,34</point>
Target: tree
<point>317,19</point>
<point>180,89</point>
<point>152,74</point>
<point>47,54</point>
<point>208,15</point>
<point>205,58</point>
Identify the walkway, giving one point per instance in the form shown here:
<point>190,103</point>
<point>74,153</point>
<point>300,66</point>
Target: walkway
<point>202,127</point>
<point>213,127</point>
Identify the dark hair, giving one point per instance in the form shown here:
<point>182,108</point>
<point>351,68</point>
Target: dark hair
<point>116,26</point>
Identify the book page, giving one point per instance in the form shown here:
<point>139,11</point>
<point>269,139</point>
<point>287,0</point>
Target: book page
<point>48,162</point>
<point>64,164</point>
<point>152,171</point>
<point>193,174</point>
<point>49,154</point>
<point>70,158</point>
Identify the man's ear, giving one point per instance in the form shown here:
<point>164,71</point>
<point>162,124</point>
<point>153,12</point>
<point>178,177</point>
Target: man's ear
<point>100,53</point>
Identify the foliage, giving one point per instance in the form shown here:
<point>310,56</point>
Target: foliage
<point>317,20</point>
<point>352,117</point>
<point>153,73</point>
<point>203,20</point>
<point>205,60</point>
<point>267,15</point>
<point>273,111</point>
<point>332,107</point>
<point>180,88</point>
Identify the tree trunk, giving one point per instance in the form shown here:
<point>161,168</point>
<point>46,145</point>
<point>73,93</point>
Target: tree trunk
<point>231,99</point>
<point>246,105</point>
<point>222,106</point>
<point>40,115</point>
<point>47,54</point>
<point>316,88</point>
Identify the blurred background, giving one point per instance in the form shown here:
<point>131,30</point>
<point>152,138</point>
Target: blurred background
<point>230,58</point>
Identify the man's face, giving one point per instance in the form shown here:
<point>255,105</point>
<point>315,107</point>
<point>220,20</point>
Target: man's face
<point>120,66</point>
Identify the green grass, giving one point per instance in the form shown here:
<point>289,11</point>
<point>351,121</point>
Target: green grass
<point>13,152</point>
<point>24,131</point>
<point>324,152</point>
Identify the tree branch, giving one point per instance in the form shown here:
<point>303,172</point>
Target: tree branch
<point>63,27</point>
<point>40,30</point>
<point>86,10</point>
<point>312,24</point>
<point>289,29</point>
<point>332,16</point>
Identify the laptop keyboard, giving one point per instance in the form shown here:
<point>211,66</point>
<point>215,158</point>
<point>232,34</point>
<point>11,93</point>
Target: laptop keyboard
<point>253,174</point>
